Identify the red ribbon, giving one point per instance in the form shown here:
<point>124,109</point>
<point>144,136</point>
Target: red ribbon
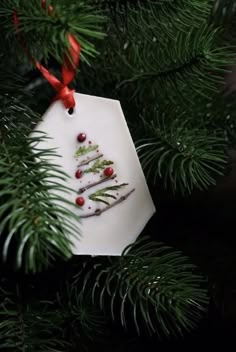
<point>71,61</point>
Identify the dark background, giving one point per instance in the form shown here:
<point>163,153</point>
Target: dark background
<point>203,227</point>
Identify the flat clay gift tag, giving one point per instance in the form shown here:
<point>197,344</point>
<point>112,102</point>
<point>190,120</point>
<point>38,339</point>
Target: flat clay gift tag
<point>97,152</point>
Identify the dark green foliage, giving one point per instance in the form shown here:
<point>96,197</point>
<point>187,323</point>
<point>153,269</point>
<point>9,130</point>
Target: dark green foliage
<point>223,10</point>
<point>31,228</point>
<point>173,11</point>
<point>163,56</point>
<point>184,156</point>
<point>175,67</point>
<point>32,323</point>
<point>80,315</point>
<point>45,35</point>
<point>178,69</point>
<point>150,286</point>
<point>27,328</point>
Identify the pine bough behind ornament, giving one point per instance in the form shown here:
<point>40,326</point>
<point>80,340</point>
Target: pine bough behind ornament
<point>96,165</point>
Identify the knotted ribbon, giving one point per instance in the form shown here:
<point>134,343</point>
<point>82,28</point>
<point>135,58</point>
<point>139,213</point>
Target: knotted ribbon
<point>68,70</point>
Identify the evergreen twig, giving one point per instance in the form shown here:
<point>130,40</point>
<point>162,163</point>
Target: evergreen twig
<point>51,31</point>
<point>46,323</point>
<point>151,286</point>
<point>185,157</point>
<point>36,228</point>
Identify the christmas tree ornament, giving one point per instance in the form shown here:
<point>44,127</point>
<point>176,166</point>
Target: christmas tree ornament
<point>114,207</point>
<point>108,188</point>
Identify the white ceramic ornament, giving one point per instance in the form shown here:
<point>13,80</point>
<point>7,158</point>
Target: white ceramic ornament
<point>98,154</point>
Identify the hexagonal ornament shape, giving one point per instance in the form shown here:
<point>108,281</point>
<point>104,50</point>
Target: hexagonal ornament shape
<point>97,152</point>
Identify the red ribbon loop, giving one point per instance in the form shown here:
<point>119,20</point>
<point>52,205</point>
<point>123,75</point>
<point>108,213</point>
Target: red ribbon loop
<point>71,62</point>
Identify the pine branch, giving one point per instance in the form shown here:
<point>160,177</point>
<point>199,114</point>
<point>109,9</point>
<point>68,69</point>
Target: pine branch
<point>219,114</point>
<point>150,286</point>
<point>11,82</point>
<point>178,68</point>
<point>79,314</point>
<point>16,119</point>
<point>33,233</point>
<point>32,230</point>
<point>176,13</point>
<point>184,156</point>
<point>46,322</point>
<point>27,327</point>
<point>78,18</point>
<point>163,64</point>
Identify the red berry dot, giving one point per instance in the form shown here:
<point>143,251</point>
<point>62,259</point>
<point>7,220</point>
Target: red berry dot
<point>80,201</point>
<point>81,137</point>
<point>90,142</point>
<point>108,171</point>
<point>89,208</point>
<point>78,174</point>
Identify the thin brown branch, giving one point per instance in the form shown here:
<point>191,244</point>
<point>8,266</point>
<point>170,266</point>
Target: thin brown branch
<point>83,189</point>
<point>100,211</point>
<point>86,162</point>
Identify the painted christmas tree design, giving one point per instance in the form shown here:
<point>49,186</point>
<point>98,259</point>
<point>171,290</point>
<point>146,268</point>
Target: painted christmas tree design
<point>104,191</point>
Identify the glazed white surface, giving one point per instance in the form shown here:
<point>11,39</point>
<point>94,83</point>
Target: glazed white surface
<point>104,124</point>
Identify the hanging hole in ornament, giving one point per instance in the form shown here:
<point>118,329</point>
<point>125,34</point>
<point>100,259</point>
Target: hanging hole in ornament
<point>70,111</point>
